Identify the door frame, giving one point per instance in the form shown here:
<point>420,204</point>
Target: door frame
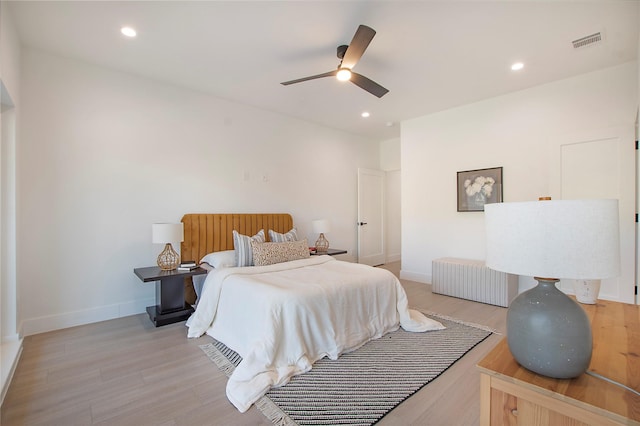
<point>379,257</point>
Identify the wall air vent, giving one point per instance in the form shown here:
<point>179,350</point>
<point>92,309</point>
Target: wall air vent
<point>588,40</point>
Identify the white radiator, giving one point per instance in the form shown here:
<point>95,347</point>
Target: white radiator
<point>472,280</point>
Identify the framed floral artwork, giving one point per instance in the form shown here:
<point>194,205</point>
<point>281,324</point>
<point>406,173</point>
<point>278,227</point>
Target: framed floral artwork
<point>479,187</point>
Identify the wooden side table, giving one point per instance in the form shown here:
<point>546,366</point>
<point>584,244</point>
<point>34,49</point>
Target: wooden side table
<point>170,304</point>
<point>513,395</point>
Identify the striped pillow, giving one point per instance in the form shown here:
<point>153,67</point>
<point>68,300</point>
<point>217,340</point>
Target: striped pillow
<point>270,253</point>
<point>276,237</point>
<point>242,246</point>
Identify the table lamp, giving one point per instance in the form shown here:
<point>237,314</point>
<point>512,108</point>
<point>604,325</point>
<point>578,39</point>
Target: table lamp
<point>321,226</point>
<point>547,331</point>
<point>167,233</point>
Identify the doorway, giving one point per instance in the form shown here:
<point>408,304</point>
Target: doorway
<point>371,248</point>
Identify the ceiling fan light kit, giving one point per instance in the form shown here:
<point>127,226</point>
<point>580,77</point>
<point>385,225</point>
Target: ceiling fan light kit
<point>343,74</point>
<point>349,57</point>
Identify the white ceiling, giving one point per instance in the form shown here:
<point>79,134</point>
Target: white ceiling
<point>431,55</point>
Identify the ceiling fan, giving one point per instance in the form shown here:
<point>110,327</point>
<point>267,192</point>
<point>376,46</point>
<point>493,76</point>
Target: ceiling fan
<point>349,57</point>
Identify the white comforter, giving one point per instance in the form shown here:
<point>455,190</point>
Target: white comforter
<point>282,318</point>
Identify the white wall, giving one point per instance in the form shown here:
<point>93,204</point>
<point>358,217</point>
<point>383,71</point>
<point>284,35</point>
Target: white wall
<point>638,167</point>
<point>390,155</point>
<point>393,216</point>
<point>105,154</point>
<point>10,54</point>
<point>10,96</point>
<point>512,131</point>
<point>390,164</point>
<point>10,340</point>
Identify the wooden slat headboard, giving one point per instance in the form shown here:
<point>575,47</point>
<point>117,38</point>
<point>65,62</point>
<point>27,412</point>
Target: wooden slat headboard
<point>206,233</point>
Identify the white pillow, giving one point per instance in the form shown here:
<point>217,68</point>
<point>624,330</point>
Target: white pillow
<point>221,259</point>
<point>242,246</point>
<point>276,237</point>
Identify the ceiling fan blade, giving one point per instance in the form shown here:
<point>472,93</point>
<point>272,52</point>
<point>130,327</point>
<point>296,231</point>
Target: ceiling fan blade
<point>368,85</point>
<point>313,77</point>
<point>358,45</point>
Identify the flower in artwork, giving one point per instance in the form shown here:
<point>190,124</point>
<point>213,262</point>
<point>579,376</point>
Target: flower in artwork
<point>480,188</point>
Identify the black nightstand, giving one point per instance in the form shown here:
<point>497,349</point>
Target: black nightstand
<point>330,252</point>
<point>170,305</point>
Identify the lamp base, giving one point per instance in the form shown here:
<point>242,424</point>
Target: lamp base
<point>168,260</point>
<point>548,332</point>
<point>322,244</point>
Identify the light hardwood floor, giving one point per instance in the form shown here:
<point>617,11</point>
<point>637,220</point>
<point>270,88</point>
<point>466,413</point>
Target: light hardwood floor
<point>127,372</point>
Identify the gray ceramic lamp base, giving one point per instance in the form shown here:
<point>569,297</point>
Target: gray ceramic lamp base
<point>549,333</point>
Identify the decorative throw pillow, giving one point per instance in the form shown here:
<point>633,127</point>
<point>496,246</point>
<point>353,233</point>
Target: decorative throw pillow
<point>221,259</point>
<point>242,247</point>
<point>270,253</point>
<point>276,237</point>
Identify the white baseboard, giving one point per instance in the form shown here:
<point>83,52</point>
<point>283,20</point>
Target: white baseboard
<point>347,258</point>
<point>87,316</point>
<point>393,258</point>
<point>10,351</point>
<point>415,276</point>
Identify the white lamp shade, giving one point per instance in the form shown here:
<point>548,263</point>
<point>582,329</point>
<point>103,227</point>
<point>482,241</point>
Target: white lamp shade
<point>575,239</point>
<point>321,226</point>
<point>162,233</point>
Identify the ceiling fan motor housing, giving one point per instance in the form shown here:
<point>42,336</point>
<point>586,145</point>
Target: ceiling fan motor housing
<point>341,51</point>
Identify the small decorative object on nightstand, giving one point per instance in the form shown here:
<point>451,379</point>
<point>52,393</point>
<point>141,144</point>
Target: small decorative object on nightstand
<point>167,233</point>
<point>330,252</point>
<point>187,265</point>
<point>320,227</point>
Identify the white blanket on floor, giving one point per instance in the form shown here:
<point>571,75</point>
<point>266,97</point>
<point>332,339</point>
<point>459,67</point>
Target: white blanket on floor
<point>282,318</point>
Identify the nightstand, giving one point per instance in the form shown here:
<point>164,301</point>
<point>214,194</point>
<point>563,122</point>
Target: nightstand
<point>510,394</point>
<point>170,305</point>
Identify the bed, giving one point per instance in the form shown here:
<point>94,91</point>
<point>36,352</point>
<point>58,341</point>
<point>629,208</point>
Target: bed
<point>282,316</point>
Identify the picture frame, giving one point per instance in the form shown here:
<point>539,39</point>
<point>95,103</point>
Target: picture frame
<point>479,187</point>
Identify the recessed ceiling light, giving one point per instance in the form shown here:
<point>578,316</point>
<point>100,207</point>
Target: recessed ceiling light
<point>365,114</point>
<point>128,31</point>
<point>517,66</point>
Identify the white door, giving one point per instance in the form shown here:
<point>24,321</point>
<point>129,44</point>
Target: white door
<point>602,165</point>
<point>370,217</point>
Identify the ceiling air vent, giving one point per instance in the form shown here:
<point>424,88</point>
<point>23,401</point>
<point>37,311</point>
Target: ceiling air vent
<point>586,41</point>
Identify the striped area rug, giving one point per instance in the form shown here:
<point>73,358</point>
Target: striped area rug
<point>360,387</point>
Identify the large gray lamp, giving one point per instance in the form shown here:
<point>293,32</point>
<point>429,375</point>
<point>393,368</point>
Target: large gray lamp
<point>547,331</point>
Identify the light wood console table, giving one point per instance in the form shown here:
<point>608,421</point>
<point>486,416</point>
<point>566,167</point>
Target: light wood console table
<point>512,395</point>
